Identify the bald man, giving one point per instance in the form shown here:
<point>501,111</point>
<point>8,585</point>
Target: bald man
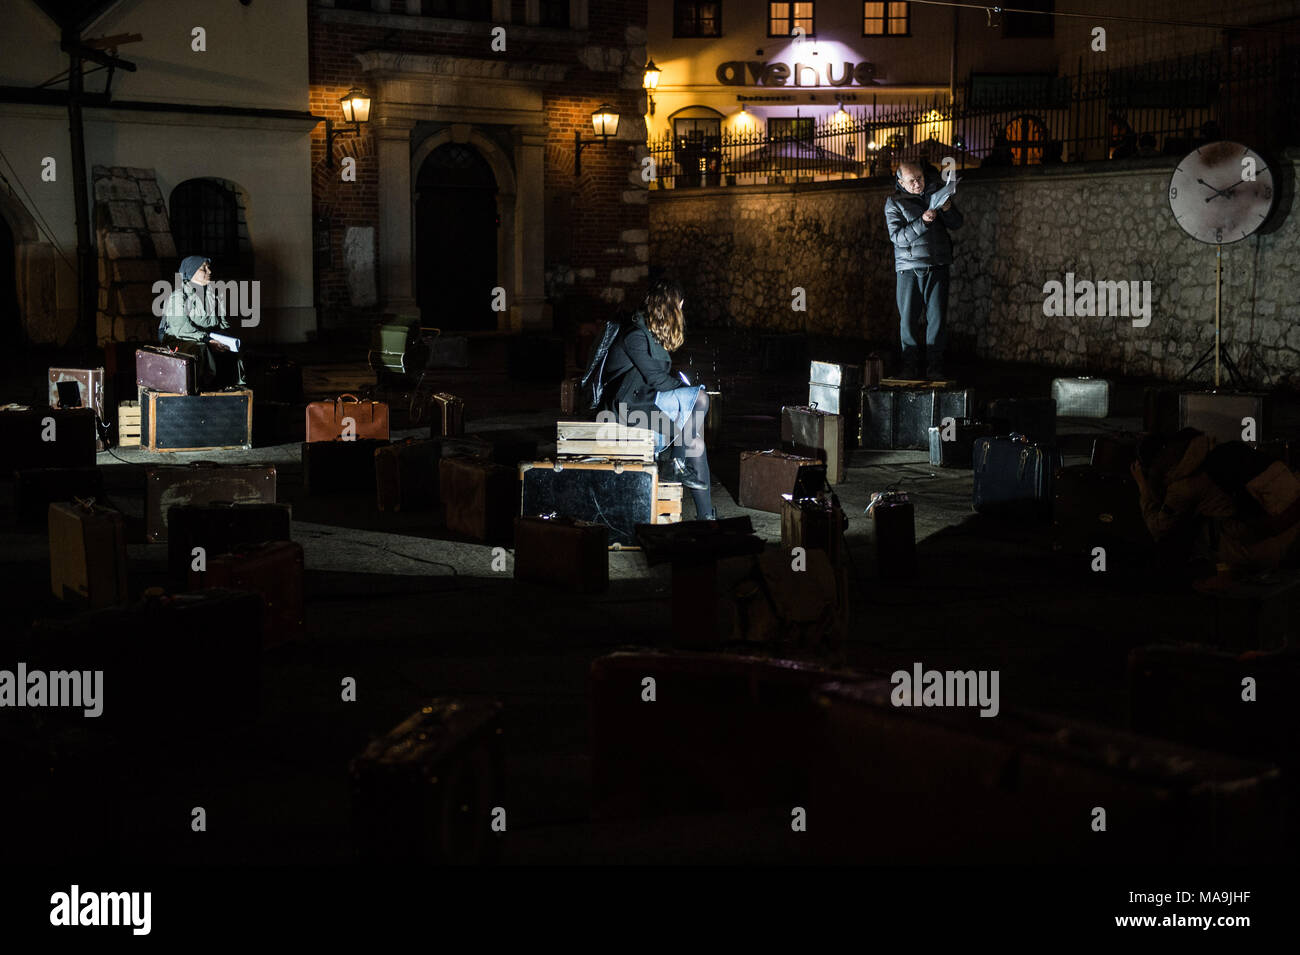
<point>922,254</point>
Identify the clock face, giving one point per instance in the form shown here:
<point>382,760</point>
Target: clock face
<point>1221,193</point>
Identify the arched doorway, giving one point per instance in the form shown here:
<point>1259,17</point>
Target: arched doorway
<point>456,239</point>
<point>208,217</point>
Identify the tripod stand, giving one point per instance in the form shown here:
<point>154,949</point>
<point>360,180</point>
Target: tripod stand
<point>1221,357</point>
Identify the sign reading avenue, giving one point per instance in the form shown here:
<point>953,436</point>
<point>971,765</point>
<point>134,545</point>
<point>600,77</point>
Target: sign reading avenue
<point>732,73</point>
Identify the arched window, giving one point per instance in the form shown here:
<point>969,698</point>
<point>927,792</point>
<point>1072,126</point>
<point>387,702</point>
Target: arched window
<point>208,219</point>
<point>1026,136</point>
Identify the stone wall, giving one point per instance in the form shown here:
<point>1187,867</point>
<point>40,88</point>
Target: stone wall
<point>742,252</point>
<point>134,241</point>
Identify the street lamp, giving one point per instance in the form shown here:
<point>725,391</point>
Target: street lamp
<point>356,110</point>
<point>651,82</point>
<point>605,123</point>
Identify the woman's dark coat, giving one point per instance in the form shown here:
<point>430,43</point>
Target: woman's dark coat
<point>637,367</point>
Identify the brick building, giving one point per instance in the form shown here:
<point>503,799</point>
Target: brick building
<point>465,172</point>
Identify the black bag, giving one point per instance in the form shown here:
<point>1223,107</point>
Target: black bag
<point>1013,476</point>
<point>593,381</point>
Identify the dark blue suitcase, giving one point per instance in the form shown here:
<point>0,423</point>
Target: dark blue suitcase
<point>1014,476</point>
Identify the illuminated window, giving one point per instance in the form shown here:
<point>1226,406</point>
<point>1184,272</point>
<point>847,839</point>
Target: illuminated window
<point>694,18</point>
<point>782,18</point>
<point>1026,136</point>
<point>799,128</point>
<point>886,19</point>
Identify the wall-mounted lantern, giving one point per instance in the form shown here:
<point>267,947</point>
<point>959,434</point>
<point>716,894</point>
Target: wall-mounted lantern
<point>651,82</point>
<point>605,123</point>
<point>356,110</point>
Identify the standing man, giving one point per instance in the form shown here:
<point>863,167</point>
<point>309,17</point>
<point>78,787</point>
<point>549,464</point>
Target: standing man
<point>922,254</point>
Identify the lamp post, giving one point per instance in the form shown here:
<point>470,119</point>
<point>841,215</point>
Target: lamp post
<point>605,123</point>
<point>651,82</point>
<point>356,110</point>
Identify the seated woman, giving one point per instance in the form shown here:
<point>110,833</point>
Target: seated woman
<point>640,382</point>
<point>191,313</point>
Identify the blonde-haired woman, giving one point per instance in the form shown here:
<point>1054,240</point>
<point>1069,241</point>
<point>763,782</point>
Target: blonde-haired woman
<point>640,383</point>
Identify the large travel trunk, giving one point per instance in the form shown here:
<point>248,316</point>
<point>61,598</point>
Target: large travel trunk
<point>202,482</point>
<point>340,467</point>
<point>209,421</point>
<point>274,571</point>
<point>1014,477</point>
<point>1081,397</point>
<point>91,394</point>
<point>220,528</point>
<point>425,791</point>
<point>161,369</point>
<point>46,438</point>
<point>900,419</point>
<point>561,552</point>
<point>1225,416</point>
<point>328,420</point>
<point>766,475</point>
<point>87,554</point>
<point>618,495</point>
<point>480,498</point>
<point>813,433</point>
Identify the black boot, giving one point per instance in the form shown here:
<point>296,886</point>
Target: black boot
<point>682,473</point>
<point>910,368</point>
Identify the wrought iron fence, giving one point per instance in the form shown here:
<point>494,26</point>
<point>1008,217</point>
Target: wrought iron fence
<point>1164,108</point>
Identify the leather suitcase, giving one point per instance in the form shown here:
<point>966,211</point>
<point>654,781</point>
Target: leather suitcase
<point>561,552</point>
<point>618,495</point>
<point>220,528</point>
<point>161,369</point>
<point>326,420</point>
<point>837,389</point>
<point>766,475</point>
<point>959,450</point>
<point>814,524</point>
<point>1035,418</point>
<point>340,467</point>
<point>1114,454</point>
<point>202,482</point>
<point>1095,509</point>
<point>1014,477</point>
<point>569,396</point>
<point>35,490</point>
<point>813,433</point>
<point>274,571</point>
<point>87,554</point>
<point>424,792</point>
<point>406,475</point>
<point>893,518</point>
<point>480,498</point>
<point>210,421</point>
<point>448,416</point>
<point>273,378</point>
<point>90,384</point>
<point>23,432</point>
<point>1221,415</point>
<point>1081,397</point>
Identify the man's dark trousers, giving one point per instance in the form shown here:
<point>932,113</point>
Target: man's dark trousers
<point>923,292</point>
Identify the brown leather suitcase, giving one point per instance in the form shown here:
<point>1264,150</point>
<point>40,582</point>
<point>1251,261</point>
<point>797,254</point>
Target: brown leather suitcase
<point>90,384</point>
<point>448,415</point>
<point>161,369</point>
<point>87,554</point>
<point>46,438</point>
<point>273,570</point>
<point>480,498</point>
<point>813,524</point>
<point>766,475</point>
<point>202,482</point>
<point>562,552</point>
<point>406,475</point>
<point>815,434</point>
<point>327,420</point>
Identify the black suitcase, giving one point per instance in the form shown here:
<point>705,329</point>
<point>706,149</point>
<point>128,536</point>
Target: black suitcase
<point>1096,509</point>
<point>1035,418</point>
<point>35,490</point>
<point>425,791</point>
<point>620,496</point>
<point>340,467</point>
<point>202,422</point>
<point>897,419</point>
<point>953,445</point>
<point>1014,477</point>
<point>894,519</point>
<point>218,528</point>
<point>46,438</point>
<point>1226,417</point>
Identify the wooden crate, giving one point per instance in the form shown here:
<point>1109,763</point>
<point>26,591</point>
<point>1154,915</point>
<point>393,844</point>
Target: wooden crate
<point>128,424</point>
<point>668,507</point>
<point>610,440</point>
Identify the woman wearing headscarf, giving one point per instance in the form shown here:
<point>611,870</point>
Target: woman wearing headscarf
<point>192,312</point>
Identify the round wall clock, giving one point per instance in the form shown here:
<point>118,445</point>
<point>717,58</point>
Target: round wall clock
<point>1221,192</point>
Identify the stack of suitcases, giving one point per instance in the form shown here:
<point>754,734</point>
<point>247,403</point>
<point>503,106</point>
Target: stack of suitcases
<point>175,416</point>
<point>343,437</point>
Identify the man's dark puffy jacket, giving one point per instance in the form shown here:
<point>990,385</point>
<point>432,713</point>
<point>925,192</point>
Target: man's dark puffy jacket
<point>637,367</point>
<point>918,243</point>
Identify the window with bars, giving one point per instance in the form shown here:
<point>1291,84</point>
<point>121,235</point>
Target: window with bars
<point>782,18</point>
<point>1027,25</point>
<point>795,127</point>
<point>697,132</point>
<point>886,19</point>
<point>457,9</point>
<point>695,18</point>
<point>554,13</point>
<point>205,221</point>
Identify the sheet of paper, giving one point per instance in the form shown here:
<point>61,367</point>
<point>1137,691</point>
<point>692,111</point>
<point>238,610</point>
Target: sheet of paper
<point>943,195</point>
<point>231,343</point>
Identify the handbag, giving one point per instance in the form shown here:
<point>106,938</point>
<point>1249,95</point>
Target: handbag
<point>325,419</point>
<point>593,381</point>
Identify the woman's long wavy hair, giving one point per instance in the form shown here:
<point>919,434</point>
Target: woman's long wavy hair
<point>663,310</point>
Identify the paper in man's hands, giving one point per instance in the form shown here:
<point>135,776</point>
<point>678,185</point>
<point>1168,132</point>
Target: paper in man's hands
<point>943,195</point>
<point>231,344</point>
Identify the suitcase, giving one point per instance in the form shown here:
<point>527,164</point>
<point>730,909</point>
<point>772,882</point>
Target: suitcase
<point>33,438</point>
<point>424,792</point>
<point>1013,477</point>
<point>538,358</point>
<point>1221,415</point>
<point>837,389</point>
<point>561,552</point>
<point>480,498</point>
<point>1194,694</point>
<point>958,451</point>
<point>220,528</point>
<point>326,420</point>
<point>569,393</point>
<point>406,475</point>
<point>1081,397</point>
<point>273,378</point>
<point>209,421</point>
<point>814,524</point>
<point>87,554</point>
<point>873,370</point>
<point>1096,509</point>
<point>766,475</point>
<point>1113,454</point>
<point>893,519</point>
<point>813,433</point>
<point>35,490</point>
<point>90,384</point>
<point>161,369</point>
<point>397,348</point>
<point>618,495</point>
<point>340,467</point>
<point>898,419</point>
<point>274,571</point>
<point>448,416</point>
<point>1035,418</point>
<point>202,482</point>
<point>1021,787</point>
